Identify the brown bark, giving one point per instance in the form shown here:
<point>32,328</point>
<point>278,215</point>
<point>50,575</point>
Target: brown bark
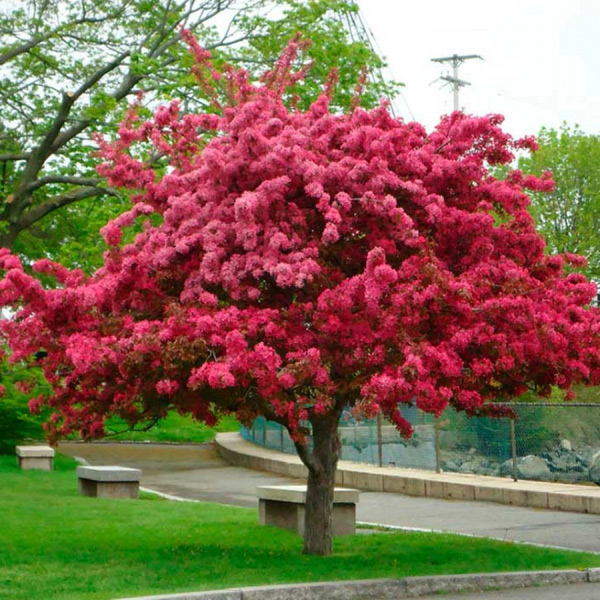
<point>321,463</point>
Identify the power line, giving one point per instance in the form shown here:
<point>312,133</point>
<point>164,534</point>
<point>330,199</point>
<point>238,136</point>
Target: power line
<point>360,32</point>
<point>455,60</point>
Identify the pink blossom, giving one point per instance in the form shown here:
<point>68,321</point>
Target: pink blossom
<point>168,387</point>
<point>330,234</point>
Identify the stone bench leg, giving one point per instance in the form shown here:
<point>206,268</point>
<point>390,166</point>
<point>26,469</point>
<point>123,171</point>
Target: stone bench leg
<point>109,489</point>
<point>41,464</point>
<point>291,516</point>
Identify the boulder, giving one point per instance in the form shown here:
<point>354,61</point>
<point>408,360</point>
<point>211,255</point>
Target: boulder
<point>475,464</point>
<point>595,468</point>
<point>528,467</point>
<point>450,465</point>
<point>566,464</point>
<point>566,445</point>
<point>506,468</point>
<point>533,467</point>
<point>466,467</point>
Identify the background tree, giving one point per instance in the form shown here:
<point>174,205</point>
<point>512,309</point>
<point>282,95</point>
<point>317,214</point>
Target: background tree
<point>332,45</point>
<point>17,424</point>
<point>569,216</point>
<point>295,263</point>
<point>68,70</point>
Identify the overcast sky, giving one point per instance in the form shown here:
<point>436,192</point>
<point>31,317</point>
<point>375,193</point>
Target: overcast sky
<point>541,67</point>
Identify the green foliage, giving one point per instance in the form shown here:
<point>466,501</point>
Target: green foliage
<point>587,393</point>
<point>569,218</point>
<point>173,428</point>
<point>56,544</point>
<point>72,234</point>
<point>325,23</point>
<point>62,462</point>
<point>16,422</point>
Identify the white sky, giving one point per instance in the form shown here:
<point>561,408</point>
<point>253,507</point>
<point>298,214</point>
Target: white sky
<point>541,67</point>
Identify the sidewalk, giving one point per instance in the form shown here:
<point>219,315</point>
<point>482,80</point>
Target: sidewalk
<point>412,482</point>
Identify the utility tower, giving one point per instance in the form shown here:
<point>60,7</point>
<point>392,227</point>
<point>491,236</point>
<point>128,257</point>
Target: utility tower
<point>455,60</point>
<point>359,32</point>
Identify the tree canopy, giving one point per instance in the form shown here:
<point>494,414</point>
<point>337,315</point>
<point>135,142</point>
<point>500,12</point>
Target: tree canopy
<point>293,263</point>
<point>69,69</point>
<point>569,216</point>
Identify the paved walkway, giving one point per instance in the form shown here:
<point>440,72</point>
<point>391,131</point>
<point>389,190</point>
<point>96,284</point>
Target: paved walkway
<point>196,472</point>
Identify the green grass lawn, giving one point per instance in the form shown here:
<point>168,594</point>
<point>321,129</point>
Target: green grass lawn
<point>173,428</point>
<point>56,544</point>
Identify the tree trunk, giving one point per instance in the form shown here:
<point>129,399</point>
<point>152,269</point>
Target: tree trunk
<point>321,479</point>
<point>7,239</point>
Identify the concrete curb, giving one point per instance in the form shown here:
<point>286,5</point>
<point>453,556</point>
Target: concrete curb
<point>133,442</point>
<point>535,494</point>
<point>390,589</point>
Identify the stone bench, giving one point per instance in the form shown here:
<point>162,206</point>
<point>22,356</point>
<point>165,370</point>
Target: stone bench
<point>35,457</point>
<point>285,506</point>
<point>109,482</point>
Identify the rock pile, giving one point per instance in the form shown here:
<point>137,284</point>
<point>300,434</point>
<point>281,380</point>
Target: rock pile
<point>563,463</point>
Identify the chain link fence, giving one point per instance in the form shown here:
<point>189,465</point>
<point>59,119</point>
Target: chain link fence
<point>546,441</point>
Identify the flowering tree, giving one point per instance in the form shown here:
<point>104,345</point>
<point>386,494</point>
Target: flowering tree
<point>293,263</point>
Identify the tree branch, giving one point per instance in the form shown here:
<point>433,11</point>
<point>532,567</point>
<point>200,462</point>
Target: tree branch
<point>51,143</point>
<point>305,456</point>
<point>29,45</point>
<point>128,83</point>
<point>41,210</point>
<point>15,157</point>
<point>42,181</point>
<point>99,74</point>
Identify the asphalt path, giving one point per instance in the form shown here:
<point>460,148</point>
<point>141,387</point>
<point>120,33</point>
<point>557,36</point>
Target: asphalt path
<point>197,472</point>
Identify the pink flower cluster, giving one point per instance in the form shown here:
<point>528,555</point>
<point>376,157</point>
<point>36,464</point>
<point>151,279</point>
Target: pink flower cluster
<point>300,262</point>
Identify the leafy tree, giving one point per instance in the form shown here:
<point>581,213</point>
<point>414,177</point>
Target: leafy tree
<point>17,424</point>
<point>293,263</point>
<point>69,69</point>
<point>569,216</point>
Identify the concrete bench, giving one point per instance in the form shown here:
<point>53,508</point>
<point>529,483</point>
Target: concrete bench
<point>35,457</point>
<point>109,482</point>
<point>285,506</point>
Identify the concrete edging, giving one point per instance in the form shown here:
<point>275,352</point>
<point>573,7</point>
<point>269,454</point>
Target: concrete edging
<point>390,589</point>
<point>536,494</point>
